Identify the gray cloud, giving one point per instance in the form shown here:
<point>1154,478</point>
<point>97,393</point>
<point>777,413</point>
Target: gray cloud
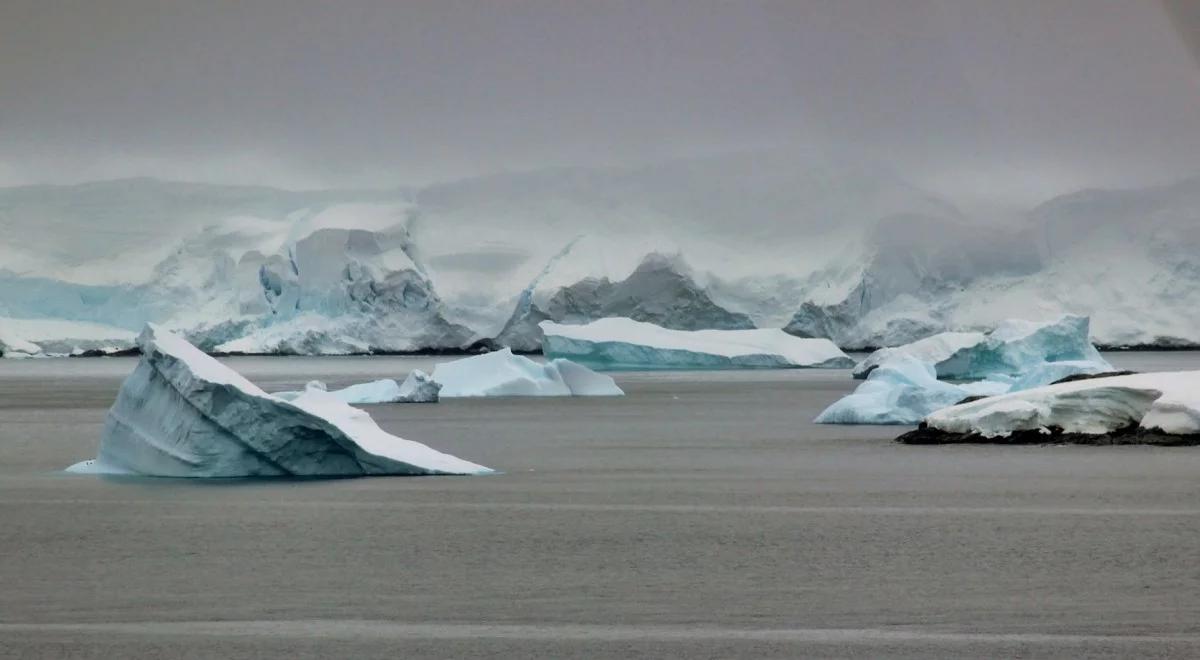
<point>1011,100</point>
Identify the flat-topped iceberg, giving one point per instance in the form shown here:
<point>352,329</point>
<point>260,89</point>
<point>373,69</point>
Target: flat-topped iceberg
<point>418,387</point>
<point>501,373</point>
<point>1011,349</point>
<point>621,343</point>
<point>182,413</point>
<point>1154,408</point>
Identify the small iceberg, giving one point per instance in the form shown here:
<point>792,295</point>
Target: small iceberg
<point>418,387</point>
<point>1154,408</point>
<point>182,413</point>
<point>621,343</point>
<point>501,373</point>
<point>1012,348</point>
<point>902,384</point>
<point>903,390</point>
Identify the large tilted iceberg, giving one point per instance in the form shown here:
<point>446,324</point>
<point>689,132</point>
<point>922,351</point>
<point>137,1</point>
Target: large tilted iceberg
<point>418,387</point>
<point>1155,408</point>
<point>182,413</point>
<point>902,385</point>
<point>501,373</point>
<point>621,343</point>
<point>1010,349</point>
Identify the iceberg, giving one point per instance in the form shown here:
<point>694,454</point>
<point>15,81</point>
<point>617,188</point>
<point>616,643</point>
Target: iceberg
<point>1154,408</point>
<point>181,413</point>
<point>418,387</point>
<point>903,387</point>
<point>501,373</point>
<point>903,390</point>
<point>622,343</point>
<point>1012,348</point>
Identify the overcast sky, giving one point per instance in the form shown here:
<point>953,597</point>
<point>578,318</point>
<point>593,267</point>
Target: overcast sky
<point>1007,99</point>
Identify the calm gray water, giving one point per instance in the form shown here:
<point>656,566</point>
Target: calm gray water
<point>702,515</point>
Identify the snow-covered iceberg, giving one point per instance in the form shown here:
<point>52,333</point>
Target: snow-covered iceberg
<point>501,373</point>
<point>1011,349</point>
<point>418,387</point>
<point>621,343</point>
<point>1154,408</point>
<point>182,413</point>
<point>903,390</point>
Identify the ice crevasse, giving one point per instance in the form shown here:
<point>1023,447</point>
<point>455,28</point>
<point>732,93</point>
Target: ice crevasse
<point>182,413</point>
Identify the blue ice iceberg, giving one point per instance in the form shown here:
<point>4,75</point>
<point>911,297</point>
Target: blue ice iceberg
<point>902,384</point>
<point>903,390</point>
<point>621,343</point>
<point>501,373</point>
<point>182,413</point>
<point>1012,348</point>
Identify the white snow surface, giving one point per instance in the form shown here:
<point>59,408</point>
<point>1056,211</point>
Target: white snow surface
<point>1169,402</point>
<point>184,414</point>
<point>502,373</point>
<point>621,343</point>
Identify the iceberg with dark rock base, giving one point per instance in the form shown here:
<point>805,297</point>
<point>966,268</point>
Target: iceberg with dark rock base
<point>182,413</point>
<point>621,343</point>
<point>1154,408</point>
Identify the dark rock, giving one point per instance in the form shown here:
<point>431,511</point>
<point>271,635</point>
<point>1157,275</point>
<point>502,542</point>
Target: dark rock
<point>1107,374</point>
<point>1129,435</point>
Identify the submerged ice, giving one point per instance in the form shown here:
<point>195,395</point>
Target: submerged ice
<point>621,343</point>
<point>501,373</point>
<point>182,413</point>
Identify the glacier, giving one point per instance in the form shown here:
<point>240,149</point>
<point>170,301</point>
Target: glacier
<point>181,413</point>
<point>622,343</point>
<point>418,387</point>
<point>820,246</point>
<point>1152,408</point>
<point>502,373</point>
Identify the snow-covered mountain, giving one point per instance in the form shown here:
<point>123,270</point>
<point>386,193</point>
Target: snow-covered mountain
<point>825,248</point>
